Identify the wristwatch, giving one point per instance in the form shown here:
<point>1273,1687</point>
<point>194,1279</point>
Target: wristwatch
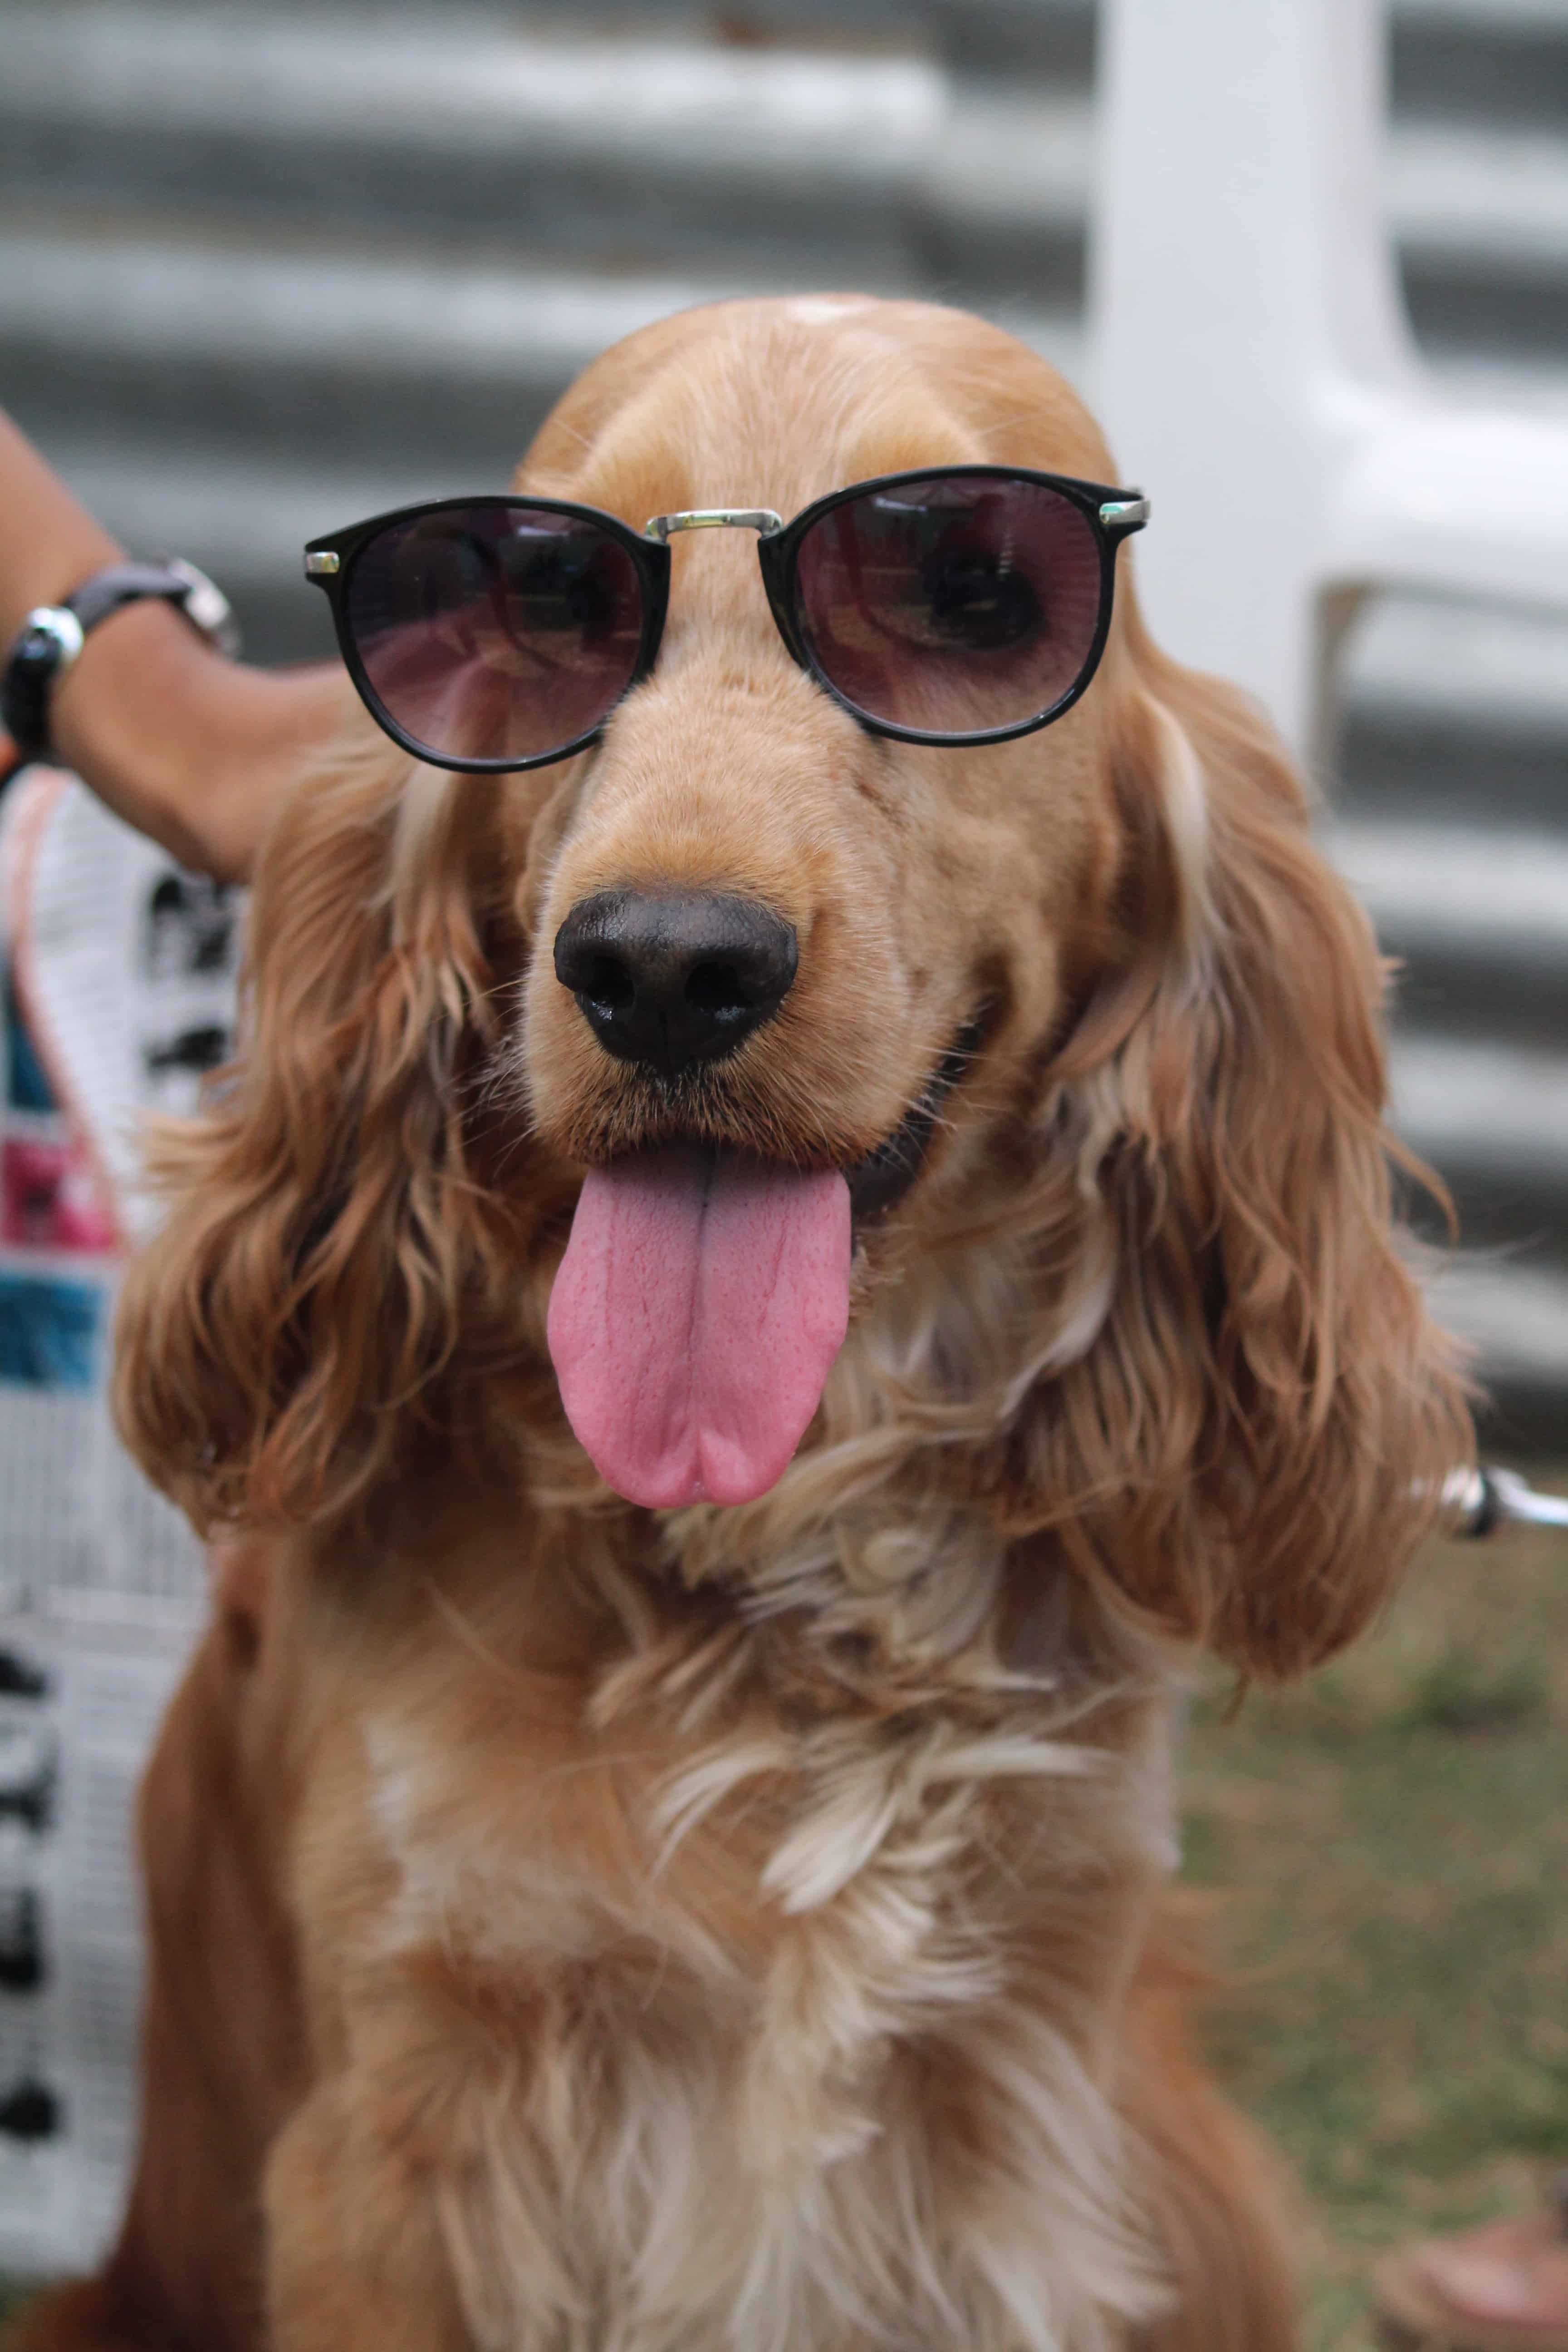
<point>52,636</point>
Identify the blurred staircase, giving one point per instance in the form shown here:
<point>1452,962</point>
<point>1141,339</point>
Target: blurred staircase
<point>269,265</point>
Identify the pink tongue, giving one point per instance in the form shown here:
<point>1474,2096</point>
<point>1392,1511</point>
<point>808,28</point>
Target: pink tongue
<point>700,1302</point>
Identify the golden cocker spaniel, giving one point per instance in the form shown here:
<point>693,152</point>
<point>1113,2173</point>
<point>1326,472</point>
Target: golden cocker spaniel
<point>699,1884</point>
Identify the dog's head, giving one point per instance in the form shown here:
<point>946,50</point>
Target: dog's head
<point>1052,1065</point>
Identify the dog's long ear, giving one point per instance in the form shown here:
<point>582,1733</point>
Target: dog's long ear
<point>1266,1355</point>
<point>325,1241</point>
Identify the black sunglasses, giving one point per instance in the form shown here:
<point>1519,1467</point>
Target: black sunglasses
<point>957,604</point>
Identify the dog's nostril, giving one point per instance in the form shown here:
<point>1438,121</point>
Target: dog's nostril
<point>606,980</point>
<point>717,988</point>
<point>672,978</point>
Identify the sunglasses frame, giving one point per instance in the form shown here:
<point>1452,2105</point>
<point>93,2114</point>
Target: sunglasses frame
<point>1113,515</point>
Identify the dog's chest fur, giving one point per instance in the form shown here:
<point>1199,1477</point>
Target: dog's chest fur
<point>724,2017</point>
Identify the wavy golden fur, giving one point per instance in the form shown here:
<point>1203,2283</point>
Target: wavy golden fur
<point>745,1928</point>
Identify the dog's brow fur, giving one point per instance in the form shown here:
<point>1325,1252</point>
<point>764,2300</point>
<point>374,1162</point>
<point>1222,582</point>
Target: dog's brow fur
<point>748,1927</point>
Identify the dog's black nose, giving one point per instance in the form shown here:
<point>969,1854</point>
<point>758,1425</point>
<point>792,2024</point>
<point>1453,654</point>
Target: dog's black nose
<point>670,978</point>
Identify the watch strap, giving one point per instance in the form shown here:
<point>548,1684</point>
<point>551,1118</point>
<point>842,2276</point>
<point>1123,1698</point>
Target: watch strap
<point>52,636</point>
<point>46,646</point>
<point>204,604</point>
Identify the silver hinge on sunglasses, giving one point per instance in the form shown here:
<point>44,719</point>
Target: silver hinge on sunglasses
<point>1131,514</point>
<point>760,520</point>
<point>321,564</point>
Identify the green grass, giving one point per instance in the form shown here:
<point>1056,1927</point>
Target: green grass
<point>1389,1850</point>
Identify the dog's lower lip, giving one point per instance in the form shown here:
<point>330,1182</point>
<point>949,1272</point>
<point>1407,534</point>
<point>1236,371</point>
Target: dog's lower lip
<point>881,1177</point>
<point>887,1171</point>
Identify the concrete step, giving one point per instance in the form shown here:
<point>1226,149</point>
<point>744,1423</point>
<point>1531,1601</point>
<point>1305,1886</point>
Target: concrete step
<point>1478,919</point>
<point>1480,216</point>
<point>297,351</point>
<point>1505,59</point>
<point>1459,661</point>
<point>1478,1108</point>
<point>286,347</point>
<point>1473,890</point>
<point>888,167</point>
<point>1492,1118</point>
<point>1493,196</point>
<point>1476,18</point>
<point>839,164</point>
<point>1044,40</point>
<point>1514,1316</point>
<point>1454,711</point>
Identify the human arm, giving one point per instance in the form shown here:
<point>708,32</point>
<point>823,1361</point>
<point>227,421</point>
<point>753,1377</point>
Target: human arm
<point>192,749</point>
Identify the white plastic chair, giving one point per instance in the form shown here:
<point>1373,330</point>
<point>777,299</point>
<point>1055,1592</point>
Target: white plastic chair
<point>1252,364</point>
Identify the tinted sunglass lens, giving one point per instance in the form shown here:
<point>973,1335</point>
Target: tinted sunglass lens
<point>496,631</point>
<point>954,604</point>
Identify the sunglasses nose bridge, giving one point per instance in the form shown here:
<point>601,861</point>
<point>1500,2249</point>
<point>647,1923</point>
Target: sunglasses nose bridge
<point>720,587</point>
<point>762,519</point>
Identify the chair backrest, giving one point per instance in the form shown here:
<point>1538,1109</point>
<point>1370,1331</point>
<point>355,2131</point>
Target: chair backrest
<point>1245,309</point>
